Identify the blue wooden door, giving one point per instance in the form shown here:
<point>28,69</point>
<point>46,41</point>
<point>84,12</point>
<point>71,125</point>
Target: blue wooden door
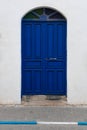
<point>43,58</point>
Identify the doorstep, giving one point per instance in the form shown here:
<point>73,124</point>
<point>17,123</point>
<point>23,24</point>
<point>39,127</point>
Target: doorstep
<point>44,100</point>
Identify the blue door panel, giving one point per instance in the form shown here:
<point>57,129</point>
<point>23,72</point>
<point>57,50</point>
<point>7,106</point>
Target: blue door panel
<point>43,58</point>
<point>27,41</point>
<point>55,81</point>
<point>27,81</point>
<point>55,64</point>
<point>37,41</point>
<point>60,42</point>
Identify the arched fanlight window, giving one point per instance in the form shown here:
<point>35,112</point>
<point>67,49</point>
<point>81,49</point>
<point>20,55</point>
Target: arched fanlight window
<point>44,14</point>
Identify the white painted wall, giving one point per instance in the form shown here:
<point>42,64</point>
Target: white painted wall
<point>11,12</point>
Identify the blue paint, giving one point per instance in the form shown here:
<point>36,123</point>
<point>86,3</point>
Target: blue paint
<point>30,123</point>
<point>43,58</point>
<point>18,122</point>
<point>82,123</point>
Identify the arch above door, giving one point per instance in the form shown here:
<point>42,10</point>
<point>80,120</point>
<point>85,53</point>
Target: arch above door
<point>44,14</point>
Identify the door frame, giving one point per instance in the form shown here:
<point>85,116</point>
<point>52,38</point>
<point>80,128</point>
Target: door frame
<point>22,53</point>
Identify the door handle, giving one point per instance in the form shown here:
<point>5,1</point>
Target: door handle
<point>53,58</point>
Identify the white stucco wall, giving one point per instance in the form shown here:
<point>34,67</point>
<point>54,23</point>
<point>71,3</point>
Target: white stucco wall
<point>11,12</point>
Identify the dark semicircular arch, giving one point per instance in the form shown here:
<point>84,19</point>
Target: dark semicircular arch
<point>44,14</point>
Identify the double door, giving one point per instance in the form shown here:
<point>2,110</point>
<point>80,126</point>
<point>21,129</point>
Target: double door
<point>43,58</point>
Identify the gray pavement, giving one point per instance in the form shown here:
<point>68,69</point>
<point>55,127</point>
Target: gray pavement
<point>43,113</point>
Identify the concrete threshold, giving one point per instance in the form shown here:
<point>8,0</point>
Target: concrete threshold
<point>44,100</point>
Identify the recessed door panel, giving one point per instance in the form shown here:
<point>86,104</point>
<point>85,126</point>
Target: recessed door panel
<point>37,81</point>
<point>37,40</point>
<point>27,81</point>
<point>60,42</point>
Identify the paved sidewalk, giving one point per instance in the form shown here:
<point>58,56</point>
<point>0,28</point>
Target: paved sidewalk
<point>43,113</point>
